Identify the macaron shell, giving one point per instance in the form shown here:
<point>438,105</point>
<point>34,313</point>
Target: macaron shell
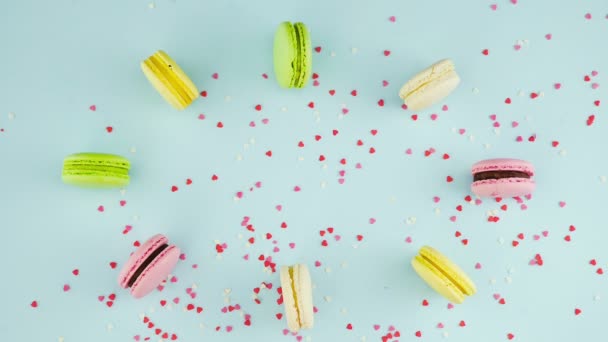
<point>303,286</point>
<point>504,187</point>
<point>291,312</point>
<point>503,164</point>
<point>433,92</point>
<point>437,281</point>
<point>138,257</point>
<point>156,272</point>
<point>95,179</point>
<point>284,53</point>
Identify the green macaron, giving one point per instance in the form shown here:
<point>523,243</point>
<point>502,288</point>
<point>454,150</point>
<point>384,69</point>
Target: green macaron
<point>292,55</point>
<point>96,170</point>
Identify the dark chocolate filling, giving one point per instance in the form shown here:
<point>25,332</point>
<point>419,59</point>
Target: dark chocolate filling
<point>145,264</point>
<point>499,174</point>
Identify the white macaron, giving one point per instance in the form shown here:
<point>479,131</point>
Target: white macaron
<point>297,297</point>
<point>430,86</point>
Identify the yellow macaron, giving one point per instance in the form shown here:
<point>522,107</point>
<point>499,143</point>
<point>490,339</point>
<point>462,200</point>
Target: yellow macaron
<point>169,80</point>
<point>442,275</point>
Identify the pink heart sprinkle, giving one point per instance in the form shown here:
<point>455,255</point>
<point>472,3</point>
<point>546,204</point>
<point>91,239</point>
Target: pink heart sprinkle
<point>337,237</point>
<point>100,209</point>
<point>342,173</point>
<point>384,83</point>
<point>299,338</point>
<point>444,108</point>
<point>193,295</point>
<point>408,151</point>
<point>265,121</point>
<point>545,233</point>
<point>258,184</point>
<point>557,86</point>
<point>189,290</point>
<point>496,124</point>
<point>594,73</point>
<point>239,195</point>
<point>517,47</point>
<point>408,239</point>
<point>101,298</point>
<point>279,207</point>
<point>215,76</point>
<point>252,124</point>
<point>344,111</point>
<point>524,207</point>
<point>519,138</point>
<point>285,331</point>
<point>317,264</point>
<point>493,117</point>
<point>514,2</point>
<point>93,108</point>
<point>595,85</point>
<point>436,199</point>
<point>276,249</point>
<point>548,36</point>
<point>123,203</point>
<point>392,19</point>
<point>494,7</point>
<point>496,296</point>
<point>376,327</point>
<point>372,220</point>
<point>341,181</point>
<point>404,106</point>
<point>453,218</point>
<point>588,16</point>
<point>391,328</point>
<point>536,237</point>
<point>514,124</point>
<point>440,325</point>
<point>201,116</point>
<point>315,83</point>
<point>477,266</point>
<point>229,328</point>
<point>66,288</point>
<point>292,245</point>
<point>477,201</point>
<point>182,256</point>
<point>246,257</point>
<point>532,262</point>
<point>136,337</point>
<point>176,300</point>
<point>450,306</point>
<point>297,189</point>
<point>433,117</point>
<point>562,204</point>
<point>462,131</point>
<point>358,166</point>
<point>174,278</point>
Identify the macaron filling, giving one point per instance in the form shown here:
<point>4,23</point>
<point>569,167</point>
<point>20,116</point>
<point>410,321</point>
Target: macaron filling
<point>145,264</point>
<point>486,175</point>
<point>295,295</point>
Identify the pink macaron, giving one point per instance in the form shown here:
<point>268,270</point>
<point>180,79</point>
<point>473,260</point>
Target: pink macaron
<point>148,266</point>
<point>502,178</point>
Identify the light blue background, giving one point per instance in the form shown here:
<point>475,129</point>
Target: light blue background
<point>60,57</point>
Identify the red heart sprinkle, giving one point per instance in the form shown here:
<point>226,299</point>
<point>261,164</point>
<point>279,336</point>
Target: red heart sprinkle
<point>258,107</point>
<point>174,188</point>
<point>113,265</point>
<point>318,49</point>
<point>485,52</point>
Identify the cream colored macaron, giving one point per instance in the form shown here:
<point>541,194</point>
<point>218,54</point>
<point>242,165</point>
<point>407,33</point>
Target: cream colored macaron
<point>297,297</point>
<point>430,86</point>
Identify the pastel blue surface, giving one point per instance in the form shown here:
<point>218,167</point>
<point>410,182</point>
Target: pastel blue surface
<point>61,57</point>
